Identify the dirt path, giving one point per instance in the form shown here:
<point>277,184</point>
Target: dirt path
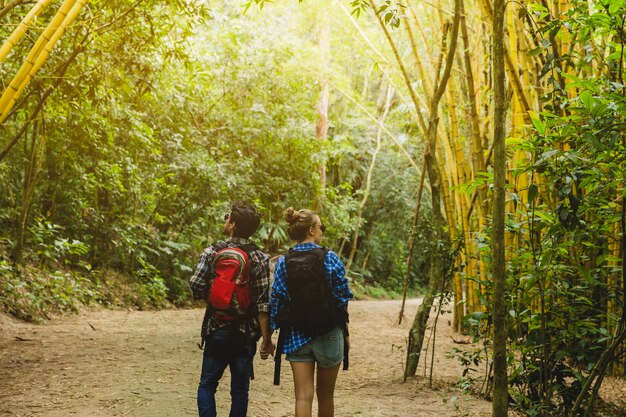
<point>132,363</point>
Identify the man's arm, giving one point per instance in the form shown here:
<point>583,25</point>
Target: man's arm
<point>199,281</point>
<point>267,346</point>
<point>261,288</point>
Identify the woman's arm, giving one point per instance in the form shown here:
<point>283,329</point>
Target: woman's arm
<point>337,272</point>
<point>279,290</point>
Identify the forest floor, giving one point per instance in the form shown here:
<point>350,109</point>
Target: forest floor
<point>146,363</point>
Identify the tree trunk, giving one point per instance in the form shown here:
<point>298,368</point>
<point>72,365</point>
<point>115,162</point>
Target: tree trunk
<point>437,272</point>
<point>500,380</point>
<point>30,173</point>
<point>409,258</point>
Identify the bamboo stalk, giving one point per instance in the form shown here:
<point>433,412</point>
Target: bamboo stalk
<point>67,13</point>
<point>22,28</point>
<point>426,83</point>
<point>511,70</point>
<point>9,94</point>
<point>399,60</point>
<point>446,160</point>
<point>457,281</point>
<point>452,163</point>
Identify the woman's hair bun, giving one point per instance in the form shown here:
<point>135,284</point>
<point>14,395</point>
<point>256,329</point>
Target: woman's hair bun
<point>299,223</point>
<point>291,215</point>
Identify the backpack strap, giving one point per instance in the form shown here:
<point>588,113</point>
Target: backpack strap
<point>218,246</point>
<point>320,252</point>
<point>346,347</point>
<point>277,356</point>
<point>248,247</point>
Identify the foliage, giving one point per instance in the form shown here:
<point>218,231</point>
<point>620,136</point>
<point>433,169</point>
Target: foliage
<point>165,114</point>
<point>32,294</point>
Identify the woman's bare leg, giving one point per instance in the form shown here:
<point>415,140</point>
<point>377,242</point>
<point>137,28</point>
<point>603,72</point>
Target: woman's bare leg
<point>326,378</point>
<point>303,384</point>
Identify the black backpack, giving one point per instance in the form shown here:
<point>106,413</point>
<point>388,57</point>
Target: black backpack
<point>311,307</point>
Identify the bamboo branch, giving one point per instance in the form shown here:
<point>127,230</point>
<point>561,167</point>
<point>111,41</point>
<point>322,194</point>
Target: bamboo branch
<point>22,28</point>
<point>392,44</point>
<point>417,114</point>
<point>368,181</point>
<point>6,9</point>
<point>37,56</point>
<point>375,120</point>
<point>425,81</point>
<point>358,28</point>
<point>62,69</point>
<point>102,29</point>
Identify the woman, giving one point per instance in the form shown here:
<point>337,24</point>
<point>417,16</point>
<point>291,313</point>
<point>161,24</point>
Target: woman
<point>303,347</point>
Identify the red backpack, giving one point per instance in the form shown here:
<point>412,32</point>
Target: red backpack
<point>229,298</point>
<point>229,295</point>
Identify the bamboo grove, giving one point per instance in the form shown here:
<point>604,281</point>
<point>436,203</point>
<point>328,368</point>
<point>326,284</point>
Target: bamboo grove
<point>564,74</point>
<point>566,169</point>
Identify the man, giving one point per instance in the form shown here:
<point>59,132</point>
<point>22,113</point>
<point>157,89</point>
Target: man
<point>231,342</point>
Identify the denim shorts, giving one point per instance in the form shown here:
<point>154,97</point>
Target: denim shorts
<point>326,350</point>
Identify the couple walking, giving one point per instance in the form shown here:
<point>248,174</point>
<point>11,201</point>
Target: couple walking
<point>308,303</point>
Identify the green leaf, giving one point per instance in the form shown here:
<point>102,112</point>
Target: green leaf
<point>615,56</point>
<point>532,193</point>
<point>587,100</point>
<point>615,6</point>
<point>601,110</point>
<point>600,20</point>
<point>539,125</point>
<point>589,137</point>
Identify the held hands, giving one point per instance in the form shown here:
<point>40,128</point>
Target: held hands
<point>267,348</point>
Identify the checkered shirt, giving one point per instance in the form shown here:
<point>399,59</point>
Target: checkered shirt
<point>204,275</point>
<point>335,273</point>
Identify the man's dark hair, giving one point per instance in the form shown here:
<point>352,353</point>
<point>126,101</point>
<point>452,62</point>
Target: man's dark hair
<point>246,219</point>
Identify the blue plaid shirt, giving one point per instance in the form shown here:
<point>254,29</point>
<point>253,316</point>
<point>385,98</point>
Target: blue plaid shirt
<point>335,273</point>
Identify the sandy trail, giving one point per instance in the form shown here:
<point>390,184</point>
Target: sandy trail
<point>146,363</point>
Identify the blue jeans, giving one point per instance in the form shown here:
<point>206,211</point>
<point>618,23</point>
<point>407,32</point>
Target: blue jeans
<point>226,347</point>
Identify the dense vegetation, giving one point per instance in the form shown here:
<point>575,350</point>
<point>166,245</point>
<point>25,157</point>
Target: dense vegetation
<point>156,127</point>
